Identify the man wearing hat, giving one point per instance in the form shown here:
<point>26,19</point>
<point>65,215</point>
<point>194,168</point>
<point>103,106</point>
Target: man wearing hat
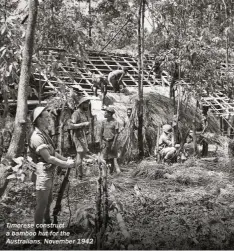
<point>108,137</point>
<point>42,151</point>
<point>80,126</point>
<point>189,145</point>
<point>115,78</point>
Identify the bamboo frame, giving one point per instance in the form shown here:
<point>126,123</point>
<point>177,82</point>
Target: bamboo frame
<point>68,76</point>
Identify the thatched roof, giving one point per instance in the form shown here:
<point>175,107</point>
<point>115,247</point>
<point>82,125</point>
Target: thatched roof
<point>158,110</point>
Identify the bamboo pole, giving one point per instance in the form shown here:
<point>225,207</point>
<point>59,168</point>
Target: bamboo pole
<point>114,36</point>
<point>98,208</point>
<point>123,228</point>
<point>119,218</point>
<point>58,206</point>
<point>105,197</point>
<point>40,90</point>
<point>61,132</point>
<point>157,153</point>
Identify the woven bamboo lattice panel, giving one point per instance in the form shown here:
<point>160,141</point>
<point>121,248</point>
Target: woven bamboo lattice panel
<point>79,76</point>
<point>220,104</point>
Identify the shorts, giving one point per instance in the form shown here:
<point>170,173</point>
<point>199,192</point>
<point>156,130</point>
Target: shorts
<point>81,145</point>
<point>44,176</point>
<point>107,153</point>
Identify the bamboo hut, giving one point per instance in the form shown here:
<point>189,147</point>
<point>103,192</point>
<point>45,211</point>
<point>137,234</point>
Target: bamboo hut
<point>158,110</point>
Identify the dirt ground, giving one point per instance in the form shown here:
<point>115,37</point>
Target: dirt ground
<point>182,206</point>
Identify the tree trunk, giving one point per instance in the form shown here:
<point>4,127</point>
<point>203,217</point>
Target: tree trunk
<point>61,131</point>
<point>40,90</point>
<point>90,22</point>
<point>18,139</point>
<point>194,137</point>
<point>91,120</point>
<point>205,146</point>
<point>17,142</point>
<point>227,36</point>
<point>221,126</point>
<point>194,132</point>
<point>140,77</point>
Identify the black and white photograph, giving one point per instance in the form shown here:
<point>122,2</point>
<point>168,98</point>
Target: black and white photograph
<point>116,125</point>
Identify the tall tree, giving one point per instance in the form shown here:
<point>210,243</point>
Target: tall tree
<point>141,15</point>
<point>191,34</point>
<point>18,139</point>
<point>10,44</point>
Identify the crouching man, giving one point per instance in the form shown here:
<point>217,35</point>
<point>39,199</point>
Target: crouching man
<point>166,149</point>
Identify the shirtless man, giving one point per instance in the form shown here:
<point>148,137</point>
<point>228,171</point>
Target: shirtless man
<point>115,79</point>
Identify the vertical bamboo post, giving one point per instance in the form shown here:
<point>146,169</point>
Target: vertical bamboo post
<point>105,197</point>
<point>98,207</point>
<point>91,119</point>
<point>221,125</point>
<point>61,131</point>
<point>39,90</point>
<point>157,144</point>
<point>194,131</point>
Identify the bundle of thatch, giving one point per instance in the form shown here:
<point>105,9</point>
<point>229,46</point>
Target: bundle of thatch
<point>194,171</point>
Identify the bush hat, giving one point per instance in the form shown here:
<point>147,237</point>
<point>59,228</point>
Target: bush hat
<point>83,100</point>
<point>167,128</point>
<point>109,109</point>
<point>37,112</point>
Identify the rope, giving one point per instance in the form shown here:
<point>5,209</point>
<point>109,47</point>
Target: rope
<point>114,36</point>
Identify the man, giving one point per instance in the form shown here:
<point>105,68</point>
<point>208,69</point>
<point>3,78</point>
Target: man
<point>42,151</point>
<point>127,119</point>
<point>108,138</point>
<point>115,78</point>
<point>166,149</point>
<point>80,126</point>
<point>129,128</point>
<point>189,146</point>
<point>100,82</point>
